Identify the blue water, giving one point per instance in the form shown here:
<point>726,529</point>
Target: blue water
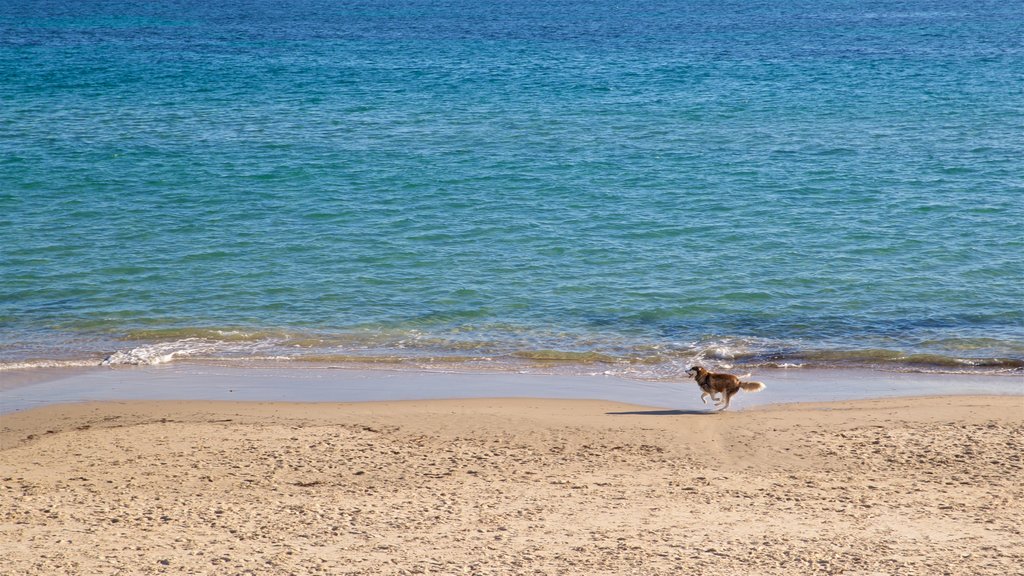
<point>580,184</point>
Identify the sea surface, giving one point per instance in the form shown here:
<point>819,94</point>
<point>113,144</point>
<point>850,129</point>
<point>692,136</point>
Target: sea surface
<point>581,186</point>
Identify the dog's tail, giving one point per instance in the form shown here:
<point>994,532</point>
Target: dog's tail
<point>752,386</point>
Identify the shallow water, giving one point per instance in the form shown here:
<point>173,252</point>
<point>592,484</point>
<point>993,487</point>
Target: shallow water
<point>573,186</point>
<point>187,381</point>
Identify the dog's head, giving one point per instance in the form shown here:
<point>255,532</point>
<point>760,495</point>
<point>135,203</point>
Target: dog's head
<point>696,371</point>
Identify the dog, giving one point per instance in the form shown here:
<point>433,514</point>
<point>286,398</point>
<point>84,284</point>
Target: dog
<point>725,385</point>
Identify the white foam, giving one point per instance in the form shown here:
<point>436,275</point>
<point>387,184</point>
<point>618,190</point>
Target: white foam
<point>253,359</point>
<point>160,353</point>
<point>721,353</point>
<point>33,364</point>
<point>205,348</point>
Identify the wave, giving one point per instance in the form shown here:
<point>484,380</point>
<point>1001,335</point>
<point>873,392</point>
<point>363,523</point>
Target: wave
<point>162,353</point>
<point>583,354</point>
<point>567,356</point>
<point>213,334</point>
<point>227,345</point>
<point>883,357</point>
<point>34,364</point>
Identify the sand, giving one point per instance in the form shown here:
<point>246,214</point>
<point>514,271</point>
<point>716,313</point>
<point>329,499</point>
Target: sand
<point>513,486</point>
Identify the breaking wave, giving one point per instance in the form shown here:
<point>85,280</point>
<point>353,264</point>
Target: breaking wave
<point>550,353</point>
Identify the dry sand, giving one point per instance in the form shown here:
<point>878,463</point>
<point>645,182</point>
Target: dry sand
<point>895,486</point>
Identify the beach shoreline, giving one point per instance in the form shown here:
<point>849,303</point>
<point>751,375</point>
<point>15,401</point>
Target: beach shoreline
<point>513,486</point>
<point>26,389</point>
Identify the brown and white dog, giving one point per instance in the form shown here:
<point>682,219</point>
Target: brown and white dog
<point>726,385</point>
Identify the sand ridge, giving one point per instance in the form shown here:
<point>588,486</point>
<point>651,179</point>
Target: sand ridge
<point>513,486</point>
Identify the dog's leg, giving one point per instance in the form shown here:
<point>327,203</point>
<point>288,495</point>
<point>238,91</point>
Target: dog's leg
<point>728,397</point>
<point>704,397</point>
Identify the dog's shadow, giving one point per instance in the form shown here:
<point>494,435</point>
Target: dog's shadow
<point>664,413</point>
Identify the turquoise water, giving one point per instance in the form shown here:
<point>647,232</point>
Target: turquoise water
<point>626,187</point>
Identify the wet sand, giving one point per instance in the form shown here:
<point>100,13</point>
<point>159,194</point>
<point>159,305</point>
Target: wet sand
<point>294,382</point>
<point>514,486</point>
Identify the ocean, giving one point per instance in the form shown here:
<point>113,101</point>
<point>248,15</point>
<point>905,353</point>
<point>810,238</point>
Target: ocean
<point>567,186</point>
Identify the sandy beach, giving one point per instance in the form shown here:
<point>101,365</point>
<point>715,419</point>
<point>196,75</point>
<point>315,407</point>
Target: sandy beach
<point>513,486</point>
<point>389,288</point>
